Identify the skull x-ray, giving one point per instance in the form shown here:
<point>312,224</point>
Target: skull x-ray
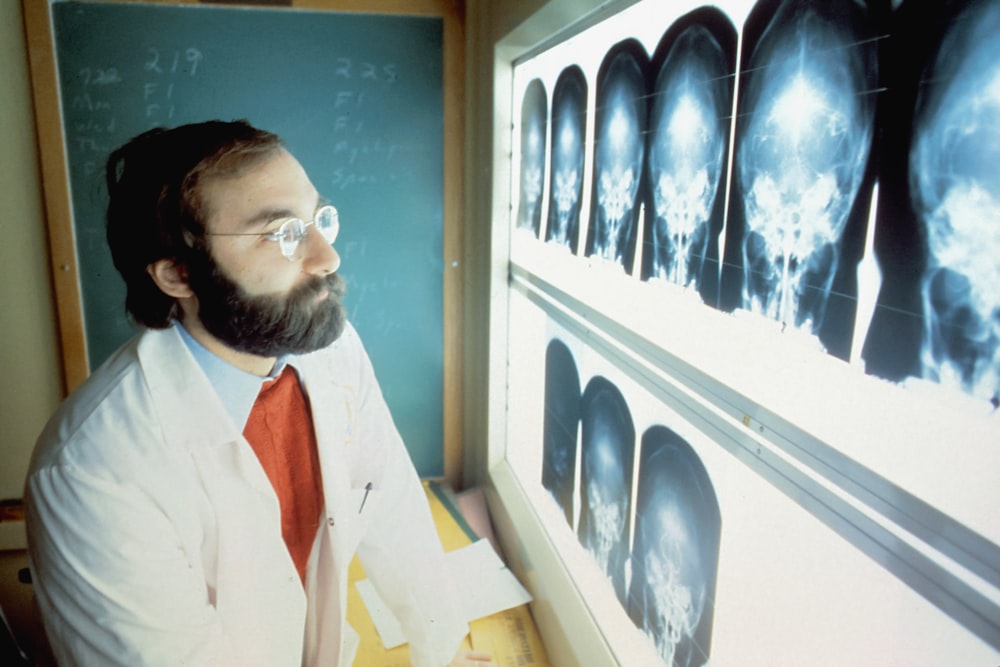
<point>619,146</point>
<point>955,186</point>
<point>569,125</point>
<point>840,188</point>
<point>666,580</point>
<point>562,421</point>
<point>534,108</point>
<point>606,455</point>
<point>937,240</point>
<point>804,131</point>
<point>687,148</point>
<point>675,553</point>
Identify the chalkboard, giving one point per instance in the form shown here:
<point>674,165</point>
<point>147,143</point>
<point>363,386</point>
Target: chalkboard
<point>358,99</point>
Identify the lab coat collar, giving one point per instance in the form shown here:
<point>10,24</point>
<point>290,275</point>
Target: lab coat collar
<point>237,388</point>
<point>192,414</point>
<point>188,407</point>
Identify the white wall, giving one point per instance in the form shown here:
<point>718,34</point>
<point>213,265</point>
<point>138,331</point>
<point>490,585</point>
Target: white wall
<point>29,358</point>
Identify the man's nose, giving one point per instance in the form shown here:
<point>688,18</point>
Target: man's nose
<point>319,257</point>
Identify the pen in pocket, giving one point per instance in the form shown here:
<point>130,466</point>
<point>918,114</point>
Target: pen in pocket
<point>368,489</point>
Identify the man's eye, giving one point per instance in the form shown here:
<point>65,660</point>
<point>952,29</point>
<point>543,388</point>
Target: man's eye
<point>278,229</point>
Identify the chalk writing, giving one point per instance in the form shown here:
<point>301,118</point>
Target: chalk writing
<point>361,159</point>
<point>100,77</point>
<point>91,120</point>
<point>348,98</point>
<point>347,68</point>
<point>86,102</point>
<point>166,68</point>
<point>156,62</point>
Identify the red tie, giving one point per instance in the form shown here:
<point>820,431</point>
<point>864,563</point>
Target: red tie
<point>280,431</point>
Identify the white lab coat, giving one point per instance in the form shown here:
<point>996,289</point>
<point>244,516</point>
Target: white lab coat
<point>155,535</point>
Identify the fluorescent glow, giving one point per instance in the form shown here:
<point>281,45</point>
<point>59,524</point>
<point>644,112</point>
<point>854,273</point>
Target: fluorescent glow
<point>533,129</point>
<point>568,118</point>
<point>686,151</point>
<point>956,184</point>
<point>801,163</point>
<point>619,155</point>
<point>617,184</point>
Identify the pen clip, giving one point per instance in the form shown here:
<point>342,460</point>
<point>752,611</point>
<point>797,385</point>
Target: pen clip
<point>368,489</point>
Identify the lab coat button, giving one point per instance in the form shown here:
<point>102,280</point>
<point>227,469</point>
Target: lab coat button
<point>330,521</point>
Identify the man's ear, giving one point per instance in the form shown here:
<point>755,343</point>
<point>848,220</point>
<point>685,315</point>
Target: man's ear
<point>170,277</point>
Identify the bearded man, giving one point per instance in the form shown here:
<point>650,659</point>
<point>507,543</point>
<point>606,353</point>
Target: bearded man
<point>199,499</point>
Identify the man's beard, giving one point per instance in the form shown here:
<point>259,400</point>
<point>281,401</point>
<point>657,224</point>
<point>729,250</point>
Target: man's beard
<point>268,325</point>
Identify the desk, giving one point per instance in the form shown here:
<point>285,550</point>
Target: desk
<point>509,636</point>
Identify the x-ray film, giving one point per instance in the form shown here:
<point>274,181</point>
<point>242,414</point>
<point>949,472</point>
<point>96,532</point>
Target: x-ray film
<point>855,206</point>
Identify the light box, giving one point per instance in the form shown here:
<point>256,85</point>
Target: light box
<point>745,360</point>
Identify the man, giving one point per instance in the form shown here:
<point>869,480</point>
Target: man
<point>199,499</point>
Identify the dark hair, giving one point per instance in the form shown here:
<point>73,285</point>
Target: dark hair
<point>154,208</point>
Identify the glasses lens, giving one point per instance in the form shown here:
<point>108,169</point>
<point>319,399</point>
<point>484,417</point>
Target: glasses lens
<point>289,235</point>
<point>328,223</point>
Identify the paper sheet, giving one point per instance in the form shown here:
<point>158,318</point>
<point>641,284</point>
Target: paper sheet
<point>483,583</point>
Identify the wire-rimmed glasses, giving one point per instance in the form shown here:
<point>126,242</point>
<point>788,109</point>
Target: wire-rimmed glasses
<point>293,230</point>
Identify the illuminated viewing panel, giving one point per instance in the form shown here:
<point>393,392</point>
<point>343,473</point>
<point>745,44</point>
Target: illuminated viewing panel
<point>753,327</point>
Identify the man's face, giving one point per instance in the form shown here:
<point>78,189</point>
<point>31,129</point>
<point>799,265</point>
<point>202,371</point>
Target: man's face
<point>250,296</point>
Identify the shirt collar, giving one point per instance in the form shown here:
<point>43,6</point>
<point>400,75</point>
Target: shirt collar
<point>236,388</point>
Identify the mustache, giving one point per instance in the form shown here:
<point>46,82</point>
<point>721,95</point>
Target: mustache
<point>332,283</point>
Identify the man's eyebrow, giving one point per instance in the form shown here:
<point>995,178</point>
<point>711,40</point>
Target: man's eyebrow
<point>268,215</point>
<point>265,216</point>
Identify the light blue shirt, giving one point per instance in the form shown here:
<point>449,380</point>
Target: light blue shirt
<point>236,388</point>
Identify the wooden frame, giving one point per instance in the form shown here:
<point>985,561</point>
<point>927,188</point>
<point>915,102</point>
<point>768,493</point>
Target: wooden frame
<point>58,204</point>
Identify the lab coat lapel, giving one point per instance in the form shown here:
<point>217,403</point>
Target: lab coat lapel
<point>334,421</point>
<point>331,407</point>
<point>190,411</point>
<point>246,543</point>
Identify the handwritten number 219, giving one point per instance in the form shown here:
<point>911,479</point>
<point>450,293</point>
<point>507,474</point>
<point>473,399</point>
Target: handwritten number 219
<point>156,62</point>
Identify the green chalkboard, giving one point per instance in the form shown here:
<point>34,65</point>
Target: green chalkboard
<point>357,99</point>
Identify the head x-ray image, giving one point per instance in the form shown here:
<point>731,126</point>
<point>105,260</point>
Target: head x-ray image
<point>606,457</point>
<point>938,314</point>
<point>619,147</point>
<point>687,146</point>
<point>806,119</point>
<point>569,125</point>
<point>675,553</point>
<point>534,108</point>
<point>955,186</point>
<point>561,425</point>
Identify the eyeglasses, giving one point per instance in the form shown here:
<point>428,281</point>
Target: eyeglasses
<point>293,230</point>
